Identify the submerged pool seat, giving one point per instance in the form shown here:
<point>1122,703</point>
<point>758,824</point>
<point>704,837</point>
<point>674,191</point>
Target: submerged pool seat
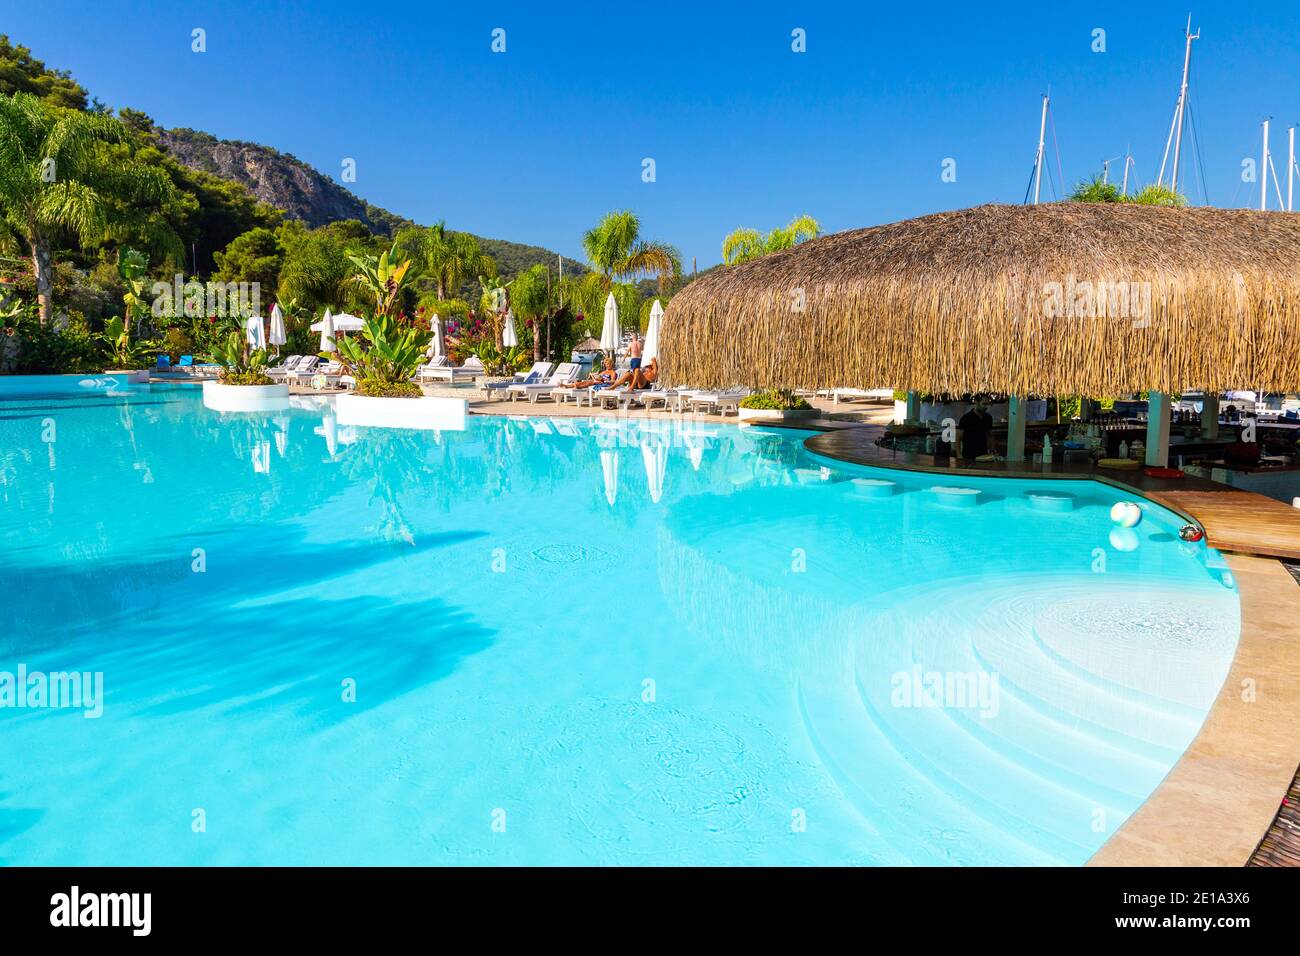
<point>873,487</point>
<point>955,496</point>
<point>1052,503</point>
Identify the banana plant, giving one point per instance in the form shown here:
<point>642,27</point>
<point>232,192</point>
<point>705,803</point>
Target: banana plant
<point>240,365</point>
<point>385,356</point>
<point>123,350</point>
<point>133,268</point>
<point>384,277</point>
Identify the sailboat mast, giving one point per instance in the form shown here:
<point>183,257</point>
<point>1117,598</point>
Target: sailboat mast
<point>1038,161</point>
<point>1127,160</point>
<point>1182,103</point>
<point>1263,173</point>
<point>1290,167</point>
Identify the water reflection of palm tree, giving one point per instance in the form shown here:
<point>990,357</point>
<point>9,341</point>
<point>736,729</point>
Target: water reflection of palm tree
<point>392,460</point>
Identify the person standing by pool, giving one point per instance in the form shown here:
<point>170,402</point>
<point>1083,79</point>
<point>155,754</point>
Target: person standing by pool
<point>634,348</point>
<point>973,430</point>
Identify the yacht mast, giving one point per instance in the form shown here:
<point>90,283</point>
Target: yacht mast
<point>1176,129</point>
<point>1038,161</point>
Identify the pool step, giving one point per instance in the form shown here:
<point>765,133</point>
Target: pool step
<point>922,821</point>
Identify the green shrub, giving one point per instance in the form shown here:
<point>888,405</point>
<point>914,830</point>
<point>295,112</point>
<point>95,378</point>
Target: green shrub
<point>371,388</point>
<point>777,399</point>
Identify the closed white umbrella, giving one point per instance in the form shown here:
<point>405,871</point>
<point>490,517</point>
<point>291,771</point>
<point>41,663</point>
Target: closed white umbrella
<point>508,337</point>
<point>256,332</point>
<point>609,333</point>
<point>436,346</point>
<point>651,348</point>
<point>609,465</point>
<point>277,336</point>
<point>326,328</point>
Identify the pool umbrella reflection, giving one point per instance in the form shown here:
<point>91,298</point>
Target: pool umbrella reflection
<point>609,465</point>
<point>655,455</point>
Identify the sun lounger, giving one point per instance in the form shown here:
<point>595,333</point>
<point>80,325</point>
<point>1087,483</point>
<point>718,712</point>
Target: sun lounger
<point>471,370</point>
<point>304,370</point>
<point>624,397</point>
<point>535,375</point>
<point>718,402</point>
<point>566,372</point>
<point>837,395</point>
<point>287,367</point>
<point>426,370</point>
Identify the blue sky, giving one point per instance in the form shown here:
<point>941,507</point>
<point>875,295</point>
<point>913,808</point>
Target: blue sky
<point>536,143</point>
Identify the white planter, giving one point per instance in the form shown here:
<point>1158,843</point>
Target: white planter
<point>430,413</point>
<point>245,398</point>
<point>777,414</point>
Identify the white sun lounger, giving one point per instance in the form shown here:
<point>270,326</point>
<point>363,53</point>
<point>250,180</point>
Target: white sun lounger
<point>472,369</point>
<point>564,373</point>
<point>288,366</point>
<point>535,375</point>
<point>715,401</point>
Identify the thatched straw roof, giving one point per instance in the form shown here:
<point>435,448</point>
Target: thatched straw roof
<point>1007,299</point>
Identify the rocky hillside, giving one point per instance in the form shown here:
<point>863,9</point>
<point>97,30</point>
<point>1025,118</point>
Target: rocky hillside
<point>286,182</point>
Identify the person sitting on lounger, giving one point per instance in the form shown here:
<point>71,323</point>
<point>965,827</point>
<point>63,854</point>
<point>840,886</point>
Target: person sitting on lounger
<point>600,380</point>
<point>638,378</point>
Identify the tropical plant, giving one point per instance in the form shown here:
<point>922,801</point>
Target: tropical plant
<point>498,360</point>
<point>133,270</point>
<point>448,258</point>
<point>316,270</point>
<point>532,297</point>
<point>384,277</point>
<point>54,175</point>
<point>384,358</point>
<point>1096,190</point>
<point>742,245</point>
<point>1154,195</point>
<point>240,364</point>
<point>616,250</point>
<point>780,399</point>
<point>124,351</point>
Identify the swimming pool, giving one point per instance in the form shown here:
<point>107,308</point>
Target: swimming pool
<point>571,642</point>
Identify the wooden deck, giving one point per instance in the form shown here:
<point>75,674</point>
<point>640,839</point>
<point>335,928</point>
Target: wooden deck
<point>1281,845</point>
<point>1241,522</point>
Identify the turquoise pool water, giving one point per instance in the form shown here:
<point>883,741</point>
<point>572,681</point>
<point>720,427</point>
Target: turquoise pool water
<point>570,643</point>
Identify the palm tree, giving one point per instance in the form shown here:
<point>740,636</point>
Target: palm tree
<point>742,245</point>
<point>616,250</point>
<point>446,257</point>
<point>55,175</point>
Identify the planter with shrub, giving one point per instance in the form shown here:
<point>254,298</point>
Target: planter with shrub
<point>382,361</point>
<point>776,405</point>
<point>242,384</point>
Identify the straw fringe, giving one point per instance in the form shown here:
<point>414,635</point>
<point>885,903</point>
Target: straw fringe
<point>960,302</point>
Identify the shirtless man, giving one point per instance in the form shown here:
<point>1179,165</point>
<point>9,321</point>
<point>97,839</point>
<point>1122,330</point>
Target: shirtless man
<point>634,349</point>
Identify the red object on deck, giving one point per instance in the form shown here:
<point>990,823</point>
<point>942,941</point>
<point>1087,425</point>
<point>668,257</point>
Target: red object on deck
<point>1154,472</point>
